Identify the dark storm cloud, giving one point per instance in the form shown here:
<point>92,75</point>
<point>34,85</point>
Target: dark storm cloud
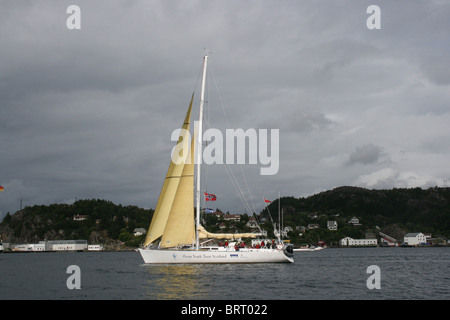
<point>89,113</point>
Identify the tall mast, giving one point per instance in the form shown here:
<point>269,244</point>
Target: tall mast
<point>199,148</point>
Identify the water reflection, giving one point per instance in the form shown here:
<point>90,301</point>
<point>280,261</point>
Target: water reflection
<point>214,281</point>
<point>179,282</point>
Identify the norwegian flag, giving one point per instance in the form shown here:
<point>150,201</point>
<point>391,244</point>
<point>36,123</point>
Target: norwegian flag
<point>210,197</point>
<point>267,201</point>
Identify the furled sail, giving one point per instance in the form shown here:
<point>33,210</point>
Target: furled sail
<point>170,187</point>
<point>203,234</point>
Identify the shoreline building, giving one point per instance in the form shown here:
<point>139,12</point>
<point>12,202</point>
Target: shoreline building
<point>51,245</point>
<point>350,242</point>
<point>414,239</point>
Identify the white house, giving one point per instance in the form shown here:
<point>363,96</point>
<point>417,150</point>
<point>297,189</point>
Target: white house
<point>347,241</point>
<point>313,226</point>
<point>29,247</point>
<point>413,239</point>
<point>332,225</point>
<point>251,223</point>
<point>232,217</point>
<point>39,246</point>
<point>95,247</point>
<point>80,217</point>
<point>139,231</point>
<point>66,245</point>
<point>354,221</point>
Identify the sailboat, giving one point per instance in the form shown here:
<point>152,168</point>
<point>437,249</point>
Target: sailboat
<point>175,232</point>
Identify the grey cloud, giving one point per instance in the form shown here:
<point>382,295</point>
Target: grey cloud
<point>436,66</point>
<point>300,122</point>
<point>388,177</point>
<point>366,154</point>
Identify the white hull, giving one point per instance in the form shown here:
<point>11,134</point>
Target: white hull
<point>214,256</point>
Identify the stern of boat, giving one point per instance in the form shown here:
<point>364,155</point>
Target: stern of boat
<point>289,250</point>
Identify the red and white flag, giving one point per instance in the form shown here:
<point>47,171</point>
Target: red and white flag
<point>210,197</point>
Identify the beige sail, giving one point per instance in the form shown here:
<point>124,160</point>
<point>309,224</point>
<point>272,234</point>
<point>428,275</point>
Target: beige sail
<point>180,227</point>
<point>169,188</point>
<point>203,234</point>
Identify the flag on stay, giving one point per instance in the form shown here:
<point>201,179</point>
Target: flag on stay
<point>1,188</point>
<point>267,201</point>
<point>210,197</point>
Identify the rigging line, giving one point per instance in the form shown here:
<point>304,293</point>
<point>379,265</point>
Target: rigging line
<point>270,216</point>
<point>228,123</point>
<point>198,77</point>
<point>206,121</point>
<point>220,97</point>
<point>228,170</point>
<point>194,89</point>
<point>248,190</point>
<point>207,124</point>
<point>242,197</point>
<point>236,185</point>
<point>241,194</point>
<point>237,188</point>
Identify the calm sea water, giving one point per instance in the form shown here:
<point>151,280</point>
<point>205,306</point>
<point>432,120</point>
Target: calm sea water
<point>336,274</point>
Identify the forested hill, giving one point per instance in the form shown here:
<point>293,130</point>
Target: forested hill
<point>395,212</point>
<point>99,221</point>
<point>412,210</point>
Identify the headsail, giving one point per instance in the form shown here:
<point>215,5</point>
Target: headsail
<point>180,228</point>
<point>169,188</point>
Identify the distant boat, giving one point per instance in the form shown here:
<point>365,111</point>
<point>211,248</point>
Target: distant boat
<point>175,231</point>
<point>307,248</point>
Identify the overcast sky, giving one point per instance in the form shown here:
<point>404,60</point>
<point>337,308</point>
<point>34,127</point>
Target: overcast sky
<point>89,113</point>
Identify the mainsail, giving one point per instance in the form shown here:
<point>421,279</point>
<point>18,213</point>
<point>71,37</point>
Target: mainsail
<point>170,186</point>
<point>203,234</point>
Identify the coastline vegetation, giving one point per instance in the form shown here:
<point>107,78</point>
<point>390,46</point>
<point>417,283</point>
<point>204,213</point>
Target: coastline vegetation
<point>395,212</point>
